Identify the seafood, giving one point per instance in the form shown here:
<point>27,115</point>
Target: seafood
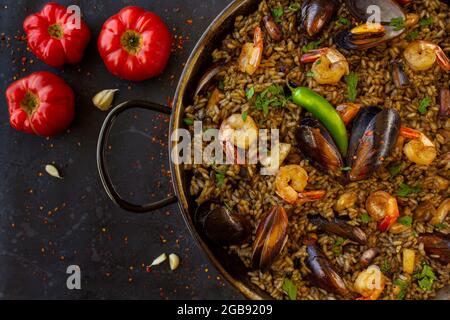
<point>239,132</point>
<point>290,182</point>
<point>441,212</point>
<point>269,162</point>
<point>316,14</point>
<point>437,245</point>
<point>444,109</point>
<point>420,149</point>
<point>270,239</point>
<point>329,65</point>
<point>421,56</point>
<point>323,273</point>
<point>399,76</point>
<point>208,76</point>
<point>316,144</point>
<point>339,227</point>
<point>251,53</point>
<point>425,211</point>
<point>382,207</point>
<point>348,111</point>
<point>272,28</point>
<point>345,201</point>
<point>373,139</point>
<point>370,283</point>
<point>221,225</point>
<point>368,256</point>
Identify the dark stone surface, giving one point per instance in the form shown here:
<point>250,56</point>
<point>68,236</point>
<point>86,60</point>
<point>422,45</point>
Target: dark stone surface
<point>48,224</point>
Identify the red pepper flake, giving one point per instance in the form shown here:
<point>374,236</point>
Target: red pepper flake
<point>189,21</point>
<point>369,133</point>
<point>148,269</point>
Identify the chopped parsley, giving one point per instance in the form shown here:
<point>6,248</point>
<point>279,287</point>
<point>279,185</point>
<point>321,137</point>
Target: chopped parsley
<point>337,245</point>
<point>386,267</point>
<point>346,169</point>
<point>310,74</point>
<point>311,46</point>
<point>244,116</point>
<point>352,84</point>
<point>188,121</point>
<point>365,218</point>
<point>406,221</point>
<point>441,226</point>
<point>272,96</point>
<point>397,23</point>
<point>294,7</point>
<point>424,104</point>
<point>412,35</point>
<point>250,93</point>
<point>425,278</point>
<point>290,288</point>
<point>343,21</point>
<point>394,169</point>
<point>221,85</point>
<point>277,13</point>
<point>403,286</point>
<point>406,190</point>
<point>220,178</point>
<point>424,22</point>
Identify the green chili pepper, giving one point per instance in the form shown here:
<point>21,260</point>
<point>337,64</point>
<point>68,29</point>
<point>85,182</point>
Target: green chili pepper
<point>325,112</point>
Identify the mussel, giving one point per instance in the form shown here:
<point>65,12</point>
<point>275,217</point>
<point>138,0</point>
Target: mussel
<point>316,14</point>
<point>437,245</point>
<point>317,145</point>
<point>444,109</point>
<point>271,236</point>
<point>369,35</point>
<point>398,74</point>
<point>208,76</point>
<point>339,227</point>
<point>323,273</point>
<point>221,225</point>
<point>372,141</point>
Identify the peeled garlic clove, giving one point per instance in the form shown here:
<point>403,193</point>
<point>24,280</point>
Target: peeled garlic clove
<point>103,100</point>
<point>159,260</point>
<point>174,261</point>
<point>52,171</point>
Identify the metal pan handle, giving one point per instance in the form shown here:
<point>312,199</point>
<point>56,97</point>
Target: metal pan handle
<point>101,157</point>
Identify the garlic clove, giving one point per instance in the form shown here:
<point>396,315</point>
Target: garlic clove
<point>103,100</point>
<point>174,261</point>
<point>52,171</point>
<point>159,260</point>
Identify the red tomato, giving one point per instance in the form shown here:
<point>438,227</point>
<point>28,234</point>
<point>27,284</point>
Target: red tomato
<point>135,44</point>
<point>54,36</point>
<point>41,104</point>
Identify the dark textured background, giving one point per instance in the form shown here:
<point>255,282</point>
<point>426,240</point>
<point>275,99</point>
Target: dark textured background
<point>48,224</point>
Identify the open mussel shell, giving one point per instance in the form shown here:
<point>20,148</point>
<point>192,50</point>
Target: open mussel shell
<point>317,145</point>
<point>339,227</point>
<point>437,245</point>
<point>362,10</point>
<point>372,143</point>
<point>221,225</point>
<point>207,78</point>
<point>271,236</point>
<point>323,273</point>
<point>398,74</point>
<point>316,14</point>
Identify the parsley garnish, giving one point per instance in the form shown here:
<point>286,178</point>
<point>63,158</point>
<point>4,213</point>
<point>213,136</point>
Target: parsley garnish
<point>352,84</point>
<point>403,285</point>
<point>425,22</point>
<point>343,21</point>
<point>424,104</point>
<point>394,169</point>
<point>220,177</point>
<point>250,93</point>
<point>277,13</point>
<point>244,116</point>
<point>272,96</point>
<point>406,190</point>
<point>406,221</point>
<point>310,74</point>
<point>441,226</point>
<point>337,245</point>
<point>365,218</point>
<point>290,288</point>
<point>294,7</point>
<point>221,85</point>
<point>346,169</point>
<point>412,35</point>
<point>188,121</point>
<point>311,46</point>
<point>386,267</point>
<point>425,278</point>
<point>397,23</point>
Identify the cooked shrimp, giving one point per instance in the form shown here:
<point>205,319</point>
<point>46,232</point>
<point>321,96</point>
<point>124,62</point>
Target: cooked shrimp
<point>348,111</point>
<point>269,161</point>
<point>382,207</point>
<point>329,65</point>
<point>251,53</point>
<point>240,133</point>
<point>290,182</point>
<point>370,283</point>
<point>421,55</point>
<point>420,149</point>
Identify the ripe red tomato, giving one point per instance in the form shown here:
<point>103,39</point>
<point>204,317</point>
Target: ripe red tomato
<point>54,36</point>
<point>41,104</point>
<point>135,44</point>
